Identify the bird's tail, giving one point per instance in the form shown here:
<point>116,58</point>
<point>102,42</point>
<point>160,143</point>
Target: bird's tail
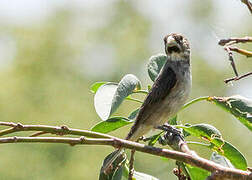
<point>107,164</point>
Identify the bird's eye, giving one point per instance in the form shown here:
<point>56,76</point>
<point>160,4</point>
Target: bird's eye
<point>179,38</point>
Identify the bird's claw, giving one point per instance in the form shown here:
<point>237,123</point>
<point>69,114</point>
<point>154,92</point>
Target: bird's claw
<point>171,132</point>
<point>169,129</point>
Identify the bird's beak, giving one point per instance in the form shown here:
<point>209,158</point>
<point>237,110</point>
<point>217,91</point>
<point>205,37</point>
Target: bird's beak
<point>172,45</point>
<point>171,41</point>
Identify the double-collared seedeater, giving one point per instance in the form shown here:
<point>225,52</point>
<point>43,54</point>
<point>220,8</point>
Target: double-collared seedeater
<point>168,93</point>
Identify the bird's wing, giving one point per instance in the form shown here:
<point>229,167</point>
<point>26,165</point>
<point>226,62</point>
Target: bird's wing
<point>160,89</point>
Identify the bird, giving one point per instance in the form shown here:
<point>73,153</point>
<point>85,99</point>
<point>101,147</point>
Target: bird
<point>168,94</point>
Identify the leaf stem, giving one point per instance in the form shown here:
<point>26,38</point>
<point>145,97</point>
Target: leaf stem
<point>194,101</point>
<point>133,99</point>
<point>141,91</point>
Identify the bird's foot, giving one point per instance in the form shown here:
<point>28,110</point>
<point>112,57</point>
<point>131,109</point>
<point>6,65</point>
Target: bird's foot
<point>169,136</point>
<point>169,129</point>
<point>142,138</point>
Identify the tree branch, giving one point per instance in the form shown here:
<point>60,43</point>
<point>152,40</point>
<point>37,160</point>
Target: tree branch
<point>241,51</point>
<point>231,41</point>
<point>131,164</point>
<point>248,4</point>
<point>103,139</point>
<point>227,43</point>
<point>63,130</point>
<point>237,77</point>
<point>231,59</point>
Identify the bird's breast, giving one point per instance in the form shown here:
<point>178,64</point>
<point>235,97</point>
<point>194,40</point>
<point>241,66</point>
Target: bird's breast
<point>174,101</point>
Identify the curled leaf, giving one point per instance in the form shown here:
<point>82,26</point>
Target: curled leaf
<point>125,87</point>
<point>116,170</point>
<point>239,106</point>
<point>155,65</point>
<point>109,96</point>
<point>103,99</point>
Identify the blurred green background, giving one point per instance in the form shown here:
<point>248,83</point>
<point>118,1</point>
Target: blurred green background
<point>51,52</point>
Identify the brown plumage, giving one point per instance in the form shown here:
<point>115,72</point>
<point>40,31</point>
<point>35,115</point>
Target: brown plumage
<point>168,93</point>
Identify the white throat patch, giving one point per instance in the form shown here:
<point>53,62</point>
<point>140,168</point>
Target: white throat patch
<point>176,57</point>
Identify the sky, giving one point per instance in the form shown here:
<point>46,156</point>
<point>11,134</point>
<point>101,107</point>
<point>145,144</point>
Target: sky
<point>229,15</point>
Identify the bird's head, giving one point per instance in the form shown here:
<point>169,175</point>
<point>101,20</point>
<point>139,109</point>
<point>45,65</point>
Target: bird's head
<point>177,47</point>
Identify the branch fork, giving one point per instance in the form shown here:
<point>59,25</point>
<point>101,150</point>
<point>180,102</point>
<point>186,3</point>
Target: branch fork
<point>227,43</point>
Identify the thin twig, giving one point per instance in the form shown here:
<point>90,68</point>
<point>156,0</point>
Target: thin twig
<point>248,4</point>
<point>115,142</point>
<point>38,134</point>
<point>231,59</point>
<point>8,124</point>
<point>231,41</point>
<point>227,47</point>
<point>237,78</point>
<point>49,129</point>
<point>131,164</point>
<point>241,51</point>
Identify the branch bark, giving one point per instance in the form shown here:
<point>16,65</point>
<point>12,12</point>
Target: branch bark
<point>103,139</point>
<point>248,4</point>
<point>241,51</point>
<point>227,43</point>
<point>237,77</point>
<point>231,41</point>
<point>62,130</point>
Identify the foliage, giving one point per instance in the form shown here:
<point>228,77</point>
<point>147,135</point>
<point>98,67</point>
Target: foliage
<point>238,106</point>
<point>51,55</point>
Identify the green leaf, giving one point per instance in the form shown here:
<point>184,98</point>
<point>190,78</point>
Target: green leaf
<point>94,87</point>
<point>116,171</point>
<point>125,87</point>
<point>239,106</point>
<point>155,65</point>
<point>205,131</point>
<point>212,135</point>
<point>230,152</point>
<point>133,114</point>
<point>111,124</point>
<point>109,96</point>
<point>154,139</point>
<point>173,121</point>
<point>143,176</point>
<point>196,173</point>
<point>149,87</point>
<point>114,123</point>
<point>103,99</point>
<point>118,174</point>
<point>219,159</point>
